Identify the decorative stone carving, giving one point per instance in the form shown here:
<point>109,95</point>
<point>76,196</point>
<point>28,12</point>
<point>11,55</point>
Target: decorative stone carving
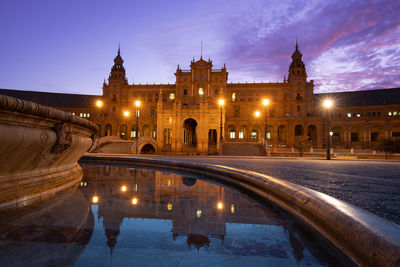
<point>64,138</point>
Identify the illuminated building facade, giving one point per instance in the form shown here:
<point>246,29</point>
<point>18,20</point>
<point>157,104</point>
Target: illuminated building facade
<point>185,117</point>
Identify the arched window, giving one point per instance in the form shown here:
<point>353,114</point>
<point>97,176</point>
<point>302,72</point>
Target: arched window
<point>201,91</point>
<point>172,97</point>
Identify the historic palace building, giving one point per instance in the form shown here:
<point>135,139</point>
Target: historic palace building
<point>193,114</point>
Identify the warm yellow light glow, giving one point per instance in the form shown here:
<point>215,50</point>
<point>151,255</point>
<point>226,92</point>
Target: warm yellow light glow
<point>232,208</point>
<point>330,133</point>
<point>123,188</point>
<point>169,206</point>
<point>220,205</point>
<point>198,213</point>
<point>257,114</point>
<point>95,199</point>
<point>134,201</point>
<point>201,91</point>
<point>126,113</point>
<point>99,103</point>
<point>265,102</point>
<point>137,103</point>
<point>328,103</point>
<point>221,102</point>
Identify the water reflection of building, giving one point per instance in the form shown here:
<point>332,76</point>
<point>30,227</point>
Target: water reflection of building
<point>197,209</point>
<point>52,233</point>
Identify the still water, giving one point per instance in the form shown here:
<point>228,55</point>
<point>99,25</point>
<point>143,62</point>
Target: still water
<point>134,217</point>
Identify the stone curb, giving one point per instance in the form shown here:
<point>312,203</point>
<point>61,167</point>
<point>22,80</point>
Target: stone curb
<point>366,238</point>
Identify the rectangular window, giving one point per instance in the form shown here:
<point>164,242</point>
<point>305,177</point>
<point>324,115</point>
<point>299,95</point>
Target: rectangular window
<point>250,97</point>
<point>242,97</point>
<point>216,91</point>
<point>374,136</point>
<point>354,137</point>
<point>268,135</point>
<point>153,113</point>
<point>253,135</point>
<point>349,115</point>
<point>232,135</point>
<point>241,134</point>
<point>133,134</point>
<point>138,113</point>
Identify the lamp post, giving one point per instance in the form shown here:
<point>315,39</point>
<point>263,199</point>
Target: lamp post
<point>126,115</point>
<point>99,105</point>
<point>266,103</point>
<point>221,103</point>
<point>137,104</point>
<point>328,104</point>
<point>257,114</point>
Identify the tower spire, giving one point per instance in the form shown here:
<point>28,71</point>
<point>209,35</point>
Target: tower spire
<point>297,46</point>
<point>119,49</point>
<point>201,50</point>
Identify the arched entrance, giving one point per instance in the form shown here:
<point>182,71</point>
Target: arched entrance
<point>281,135</point>
<point>108,130</point>
<point>298,130</point>
<point>148,149</point>
<point>312,135</point>
<point>123,131</point>
<point>189,132</point>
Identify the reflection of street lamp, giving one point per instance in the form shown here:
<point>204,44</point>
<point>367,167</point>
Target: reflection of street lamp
<point>221,103</point>
<point>328,104</point>
<point>134,201</point>
<point>220,204</point>
<point>266,103</point>
<point>137,104</point>
<point>126,115</point>
<point>95,199</point>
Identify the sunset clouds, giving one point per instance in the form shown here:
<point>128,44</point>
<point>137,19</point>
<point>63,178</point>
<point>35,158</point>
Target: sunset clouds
<point>69,47</point>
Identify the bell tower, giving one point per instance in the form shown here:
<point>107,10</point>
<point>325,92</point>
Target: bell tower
<point>297,69</point>
<point>117,73</point>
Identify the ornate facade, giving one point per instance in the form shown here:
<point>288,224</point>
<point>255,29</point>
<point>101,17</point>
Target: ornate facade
<point>185,117</point>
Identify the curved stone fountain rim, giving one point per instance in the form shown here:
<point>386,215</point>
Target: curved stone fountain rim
<point>366,238</point>
<point>13,104</point>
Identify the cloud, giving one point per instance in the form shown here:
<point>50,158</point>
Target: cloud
<point>350,45</point>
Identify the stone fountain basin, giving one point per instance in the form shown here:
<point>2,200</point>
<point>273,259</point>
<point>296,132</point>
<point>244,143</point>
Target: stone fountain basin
<point>39,150</point>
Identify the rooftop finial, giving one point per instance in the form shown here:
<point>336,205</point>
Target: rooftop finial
<point>201,50</point>
<point>119,48</point>
<point>297,46</point>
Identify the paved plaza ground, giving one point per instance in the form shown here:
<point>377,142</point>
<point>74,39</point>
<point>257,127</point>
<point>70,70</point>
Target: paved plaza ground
<point>371,185</point>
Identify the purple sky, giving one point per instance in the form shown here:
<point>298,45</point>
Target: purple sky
<point>69,46</point>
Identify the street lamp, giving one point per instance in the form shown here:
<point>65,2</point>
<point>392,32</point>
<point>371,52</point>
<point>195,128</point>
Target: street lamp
<point>221,103</point>
<point>137,104</point>
<point>266,103</point>
<point>99,105</point>
<point>126,115</point>
<point>328,104</point>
